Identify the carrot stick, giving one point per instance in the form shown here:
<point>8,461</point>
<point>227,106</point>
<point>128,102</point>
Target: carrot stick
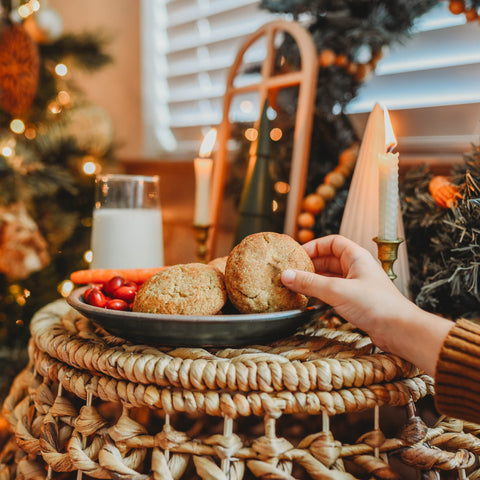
<point>103,275</point>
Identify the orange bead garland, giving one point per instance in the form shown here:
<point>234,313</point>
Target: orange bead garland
<point>457,7</point>
<point>314,203</point>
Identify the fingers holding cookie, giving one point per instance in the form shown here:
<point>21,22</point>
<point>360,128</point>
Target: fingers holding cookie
<point>253,270</point>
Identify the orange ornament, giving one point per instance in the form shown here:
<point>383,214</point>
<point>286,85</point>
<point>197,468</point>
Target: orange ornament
<point>443,191</point>
<point>456,7</point>
<point>19,66</point>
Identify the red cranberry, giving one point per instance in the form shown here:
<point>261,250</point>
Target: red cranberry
<point>96,298</point>
<point>117,304</point>
<point>125,293</point>
<point>113,284</point>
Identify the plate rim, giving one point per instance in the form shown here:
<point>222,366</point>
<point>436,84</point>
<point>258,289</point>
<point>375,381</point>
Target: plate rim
<point>75,301</point>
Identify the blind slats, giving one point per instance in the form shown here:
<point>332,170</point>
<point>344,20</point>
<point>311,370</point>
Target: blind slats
<point>188,46</point>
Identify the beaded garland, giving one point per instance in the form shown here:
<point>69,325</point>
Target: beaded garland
<point>314,203</point>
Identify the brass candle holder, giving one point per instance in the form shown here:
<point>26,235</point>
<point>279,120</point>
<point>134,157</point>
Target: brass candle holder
<point>387,254</point>
<point>201,238</point>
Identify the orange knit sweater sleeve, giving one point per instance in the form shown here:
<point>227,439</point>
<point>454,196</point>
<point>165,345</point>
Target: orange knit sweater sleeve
<point>457,375</point>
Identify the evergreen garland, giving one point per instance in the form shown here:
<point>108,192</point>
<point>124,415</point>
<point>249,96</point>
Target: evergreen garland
<point>444,244</point>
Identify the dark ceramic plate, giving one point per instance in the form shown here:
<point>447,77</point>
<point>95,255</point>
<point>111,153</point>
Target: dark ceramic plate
<point>195,330</point>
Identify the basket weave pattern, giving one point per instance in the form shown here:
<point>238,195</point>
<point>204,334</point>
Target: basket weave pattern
<point>93,403</point>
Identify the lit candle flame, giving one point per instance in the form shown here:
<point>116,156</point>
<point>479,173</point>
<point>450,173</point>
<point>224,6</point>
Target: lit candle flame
<point>390,139</point>
<point>208,142</point>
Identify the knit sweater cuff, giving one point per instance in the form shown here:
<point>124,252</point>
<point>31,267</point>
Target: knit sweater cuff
<point>458,373</point>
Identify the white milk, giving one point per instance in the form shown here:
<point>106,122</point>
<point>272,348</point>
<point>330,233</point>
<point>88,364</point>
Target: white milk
<point>127,238</point>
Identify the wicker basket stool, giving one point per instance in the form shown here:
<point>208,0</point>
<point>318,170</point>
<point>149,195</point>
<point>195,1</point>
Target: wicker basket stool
<point>95,404</point>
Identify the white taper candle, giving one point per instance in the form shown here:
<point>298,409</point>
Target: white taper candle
<point>388,196</point>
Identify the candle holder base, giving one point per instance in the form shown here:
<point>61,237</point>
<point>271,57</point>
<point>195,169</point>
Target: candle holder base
<point>201,237</point>
<point>387,254</point>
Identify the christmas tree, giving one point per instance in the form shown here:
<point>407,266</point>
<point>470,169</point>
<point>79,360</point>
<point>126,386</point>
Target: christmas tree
<point>52,143</point>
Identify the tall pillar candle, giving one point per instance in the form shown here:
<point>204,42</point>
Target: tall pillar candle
<point>203,173</point>
<point>388,195</point>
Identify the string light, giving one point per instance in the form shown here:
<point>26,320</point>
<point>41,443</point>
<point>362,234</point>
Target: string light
<point>30,133</point>
<point>276,134</point>
<point>251,134</point>
<point>7,151</point>
<point>89,166</point>
<point>63,97</point>
<point>54,107</point>
<point>17,126</point>
<point>65,288</point>
<point>61,69</point>
<point>282,187</point>
<point>88,256</point>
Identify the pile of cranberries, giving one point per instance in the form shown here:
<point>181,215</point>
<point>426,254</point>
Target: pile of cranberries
<point>116,294</point>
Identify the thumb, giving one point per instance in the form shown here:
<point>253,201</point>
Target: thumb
<point>307,283</point>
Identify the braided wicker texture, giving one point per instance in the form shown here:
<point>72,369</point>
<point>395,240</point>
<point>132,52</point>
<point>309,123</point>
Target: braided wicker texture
<point>94,404</point>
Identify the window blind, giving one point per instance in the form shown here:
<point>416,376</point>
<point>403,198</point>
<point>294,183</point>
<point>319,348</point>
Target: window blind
<point>188,47</point>
<point>430,84</point>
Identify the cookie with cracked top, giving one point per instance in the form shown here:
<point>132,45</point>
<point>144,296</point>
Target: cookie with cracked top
<point>184,289</point>
<point>253,270</point>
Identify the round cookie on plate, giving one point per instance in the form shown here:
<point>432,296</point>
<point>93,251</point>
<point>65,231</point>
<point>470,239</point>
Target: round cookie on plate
<point>184,289</point>
<point>252,273</point>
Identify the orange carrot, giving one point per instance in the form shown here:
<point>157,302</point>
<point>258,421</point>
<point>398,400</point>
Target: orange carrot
<point>103,275</point>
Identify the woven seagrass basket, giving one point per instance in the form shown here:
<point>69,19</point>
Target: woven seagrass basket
<point>320,404</point>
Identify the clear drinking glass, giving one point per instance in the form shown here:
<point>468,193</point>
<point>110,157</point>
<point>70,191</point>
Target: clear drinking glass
<point>127,222</point>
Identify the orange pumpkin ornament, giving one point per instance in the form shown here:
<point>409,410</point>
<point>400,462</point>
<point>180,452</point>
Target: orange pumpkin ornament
<point>443,191</point>
<point>19,67</point>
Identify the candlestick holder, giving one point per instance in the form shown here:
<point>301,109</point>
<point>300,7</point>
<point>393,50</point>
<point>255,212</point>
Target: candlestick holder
<point>387,254</point>
<point>201,237</point>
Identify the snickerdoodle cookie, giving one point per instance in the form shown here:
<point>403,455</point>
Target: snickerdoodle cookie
<point>185,289</point>
<point>219,263</point>
<point>252,273</point>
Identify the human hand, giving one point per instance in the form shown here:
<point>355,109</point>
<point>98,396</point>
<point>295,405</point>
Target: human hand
<point>352,281</point>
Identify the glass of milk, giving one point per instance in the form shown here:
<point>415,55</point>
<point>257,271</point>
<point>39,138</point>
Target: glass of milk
<point>127,222</point>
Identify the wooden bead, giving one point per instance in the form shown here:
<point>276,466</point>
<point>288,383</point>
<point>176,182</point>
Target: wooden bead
<point>313,203</point>
<point>327,58</point>
<point>471,14</point>
<point>341,60</point>
<point>344,169</point>
<point>362,72</point>
<point>335,179</point>
<point>327,192</point>
<point>306,220</point>
<point>456,7</point>
<point>348,157</point>
<point>352,68</point>
<point>304,235</point>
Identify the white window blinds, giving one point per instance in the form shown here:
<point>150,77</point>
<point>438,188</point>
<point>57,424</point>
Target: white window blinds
<point>431,84</point>
<point>188,47</point>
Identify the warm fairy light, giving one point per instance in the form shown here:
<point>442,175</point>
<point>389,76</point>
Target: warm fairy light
<point>63,97</point>
<point>54,107</point>
<point>89,167</point>
<point>17,126</point>
<point>24,11</point>
<point>276,134</point>
<point>26,293</point>
<point>282,187</point>
<point>246,106</point>
<point>88,256</point>
<point>274,205</point>
<point>30,133</point>
<point>208,143</point>
<point>34,5</point>
<point>7,151</point>
<point>251,134</point>
<point>65,288</point>
<point>61,69</point>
